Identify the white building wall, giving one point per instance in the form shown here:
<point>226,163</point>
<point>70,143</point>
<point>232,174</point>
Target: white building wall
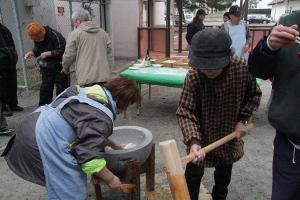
<point>124,24</point>
<point>277,11</point>
<point>294,6</point>
<point>159,9</point>
<point>63,21</point>
<point>42,12</point>
<point>284,8</point>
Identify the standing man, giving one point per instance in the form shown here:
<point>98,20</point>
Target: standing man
<point>10,103</point>
<point>219,97</point>
<point>195,26</point>
<point>278,56</point>
<point>88,52</point>
<point>238,31</point>
<point>49,46</point>
<point>8,60</point>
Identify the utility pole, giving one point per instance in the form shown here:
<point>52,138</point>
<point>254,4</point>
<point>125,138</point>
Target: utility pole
<point>20,44</point>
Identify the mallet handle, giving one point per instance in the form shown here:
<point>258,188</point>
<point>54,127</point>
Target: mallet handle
<point>216,144</point>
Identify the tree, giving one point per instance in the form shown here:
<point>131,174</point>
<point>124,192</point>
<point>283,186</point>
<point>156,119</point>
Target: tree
<point>253,3</point>
<point>219,4</point>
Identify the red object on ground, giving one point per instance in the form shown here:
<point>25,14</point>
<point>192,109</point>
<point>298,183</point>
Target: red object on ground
<point>298,53</point>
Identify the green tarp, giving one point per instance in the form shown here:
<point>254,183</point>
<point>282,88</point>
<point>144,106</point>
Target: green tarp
<point>166,76</point>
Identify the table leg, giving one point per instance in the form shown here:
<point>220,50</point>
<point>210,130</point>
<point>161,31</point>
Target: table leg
<point>133,177</point>
<point>98,192</point>
<point>149,97</point>
<point>139,103</point>
<point>125,114</point>
<point>150,171</point>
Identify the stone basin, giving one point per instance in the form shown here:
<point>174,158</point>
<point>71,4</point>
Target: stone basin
<point>142,139</point>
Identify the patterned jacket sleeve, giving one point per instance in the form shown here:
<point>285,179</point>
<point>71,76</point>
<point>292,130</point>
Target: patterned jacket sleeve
<point>187,112</point>
<point>251,99</point>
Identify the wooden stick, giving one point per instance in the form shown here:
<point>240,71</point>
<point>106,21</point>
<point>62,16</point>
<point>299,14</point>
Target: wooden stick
<point>218,143</point>
<point>175,171</point>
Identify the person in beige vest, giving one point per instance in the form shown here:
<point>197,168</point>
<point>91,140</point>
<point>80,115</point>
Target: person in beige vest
<point>88,52</point>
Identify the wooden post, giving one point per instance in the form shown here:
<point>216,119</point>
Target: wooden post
<point>180,11</point>
<point>150,171</point>
<point>98,191</point>
<point>133,177</point>
<point>174,169</point>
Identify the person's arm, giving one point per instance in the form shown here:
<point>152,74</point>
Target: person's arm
<point>191,30</point>
<point>92,128</point>
<point>36,50</point>
<point>109,51</point>
<point>70,53</point>
<point>263,60</point>
<point>59,44</point>
<point>186,114</point>
<point>251,100</point>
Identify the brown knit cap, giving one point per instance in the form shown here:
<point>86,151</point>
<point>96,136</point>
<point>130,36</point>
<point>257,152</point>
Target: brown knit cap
<point>36,30</point>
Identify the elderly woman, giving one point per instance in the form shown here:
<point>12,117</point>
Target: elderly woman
<point>49,46</point>
<point>59,144</point>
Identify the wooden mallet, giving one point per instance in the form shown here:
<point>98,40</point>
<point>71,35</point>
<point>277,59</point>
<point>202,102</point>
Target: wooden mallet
<point>174,164</point>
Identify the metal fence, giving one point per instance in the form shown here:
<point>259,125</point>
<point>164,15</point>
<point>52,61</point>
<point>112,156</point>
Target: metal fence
<point>16,14</point>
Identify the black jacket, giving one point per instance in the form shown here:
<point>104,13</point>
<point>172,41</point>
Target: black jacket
<point>284,66</point>
<point>8,54</point>
<point>8,59</point>
<point>54,42</point>
<point>192,29</point>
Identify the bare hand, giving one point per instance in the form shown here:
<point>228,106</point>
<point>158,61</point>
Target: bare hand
<point>64,71</point>
<point>283,36</point>
<point>28,55</point>
<point>115,183</point>
<point>46,54</point>
<point>198,153</point>
<point>115,145</point>
<point>246,48</point>
<point>118,146</point>
<point>240,130</point>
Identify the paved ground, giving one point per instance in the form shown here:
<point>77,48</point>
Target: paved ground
<point>251,179</point>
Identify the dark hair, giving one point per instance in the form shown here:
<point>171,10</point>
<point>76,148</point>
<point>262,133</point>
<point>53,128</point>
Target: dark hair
<point>198,13</point>
<point>227,15</point>
<point>124,91</point>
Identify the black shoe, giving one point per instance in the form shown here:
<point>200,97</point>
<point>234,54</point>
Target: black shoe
<point>6,131</point>
<point>7,113</point>
<point>16,108</point>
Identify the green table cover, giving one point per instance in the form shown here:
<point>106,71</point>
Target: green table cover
<point>166,76</point>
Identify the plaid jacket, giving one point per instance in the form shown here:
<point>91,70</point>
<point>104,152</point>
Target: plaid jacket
<point>209,109</point>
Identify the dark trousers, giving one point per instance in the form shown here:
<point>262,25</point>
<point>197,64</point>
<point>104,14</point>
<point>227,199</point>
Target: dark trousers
<point>12,87</point>
<point>3,92</point>
<point>286,173</point>
<point>3,123</point>
<point>49,78</point>
<point>222,176</point>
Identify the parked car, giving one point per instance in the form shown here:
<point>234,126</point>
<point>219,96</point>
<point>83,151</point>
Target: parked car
<point>258,19</point>
<point>188,17</point>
